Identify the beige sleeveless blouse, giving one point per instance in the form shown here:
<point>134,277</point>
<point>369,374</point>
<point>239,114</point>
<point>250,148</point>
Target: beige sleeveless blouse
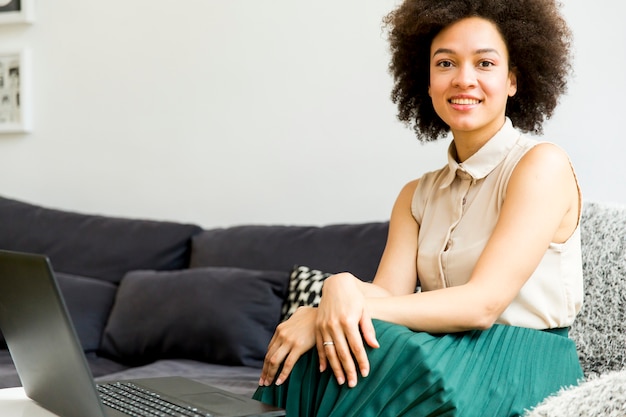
<point>456,209</point>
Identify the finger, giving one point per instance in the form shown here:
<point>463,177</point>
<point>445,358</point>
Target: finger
<point>277,351</point>
<point>358,354</point>
<point>368,333</point>
<point>344,350</point>
<point>281,363</point>
<point>288,365</point>
<point>321,352</point>
<point>368,330</point>
<point>273,359</point>
<point>340,357</point>
<point>335,363</point>
<point>265,372</point>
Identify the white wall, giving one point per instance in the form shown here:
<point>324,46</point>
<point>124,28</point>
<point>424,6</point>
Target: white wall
<point>247,111</point>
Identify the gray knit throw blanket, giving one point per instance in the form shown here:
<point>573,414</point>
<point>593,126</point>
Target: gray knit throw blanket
<point>600,328</point>
<point>599,396</point>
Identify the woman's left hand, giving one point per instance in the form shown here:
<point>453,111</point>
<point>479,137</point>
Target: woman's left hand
<point>292,338</point>
<point>343,323</point>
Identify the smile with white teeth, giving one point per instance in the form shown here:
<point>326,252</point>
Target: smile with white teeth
<point>464,101</point>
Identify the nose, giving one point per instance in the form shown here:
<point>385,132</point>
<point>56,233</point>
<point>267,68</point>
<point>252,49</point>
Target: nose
<point>465,76</point>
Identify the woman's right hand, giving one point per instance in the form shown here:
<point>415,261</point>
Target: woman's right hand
<point>344,326</point>
<point>291,339</point>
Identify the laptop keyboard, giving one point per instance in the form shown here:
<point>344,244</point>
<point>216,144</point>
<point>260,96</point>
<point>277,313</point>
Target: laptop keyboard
<point>135,401</point>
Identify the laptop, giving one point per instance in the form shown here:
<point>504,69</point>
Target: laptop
<point>53,369</point>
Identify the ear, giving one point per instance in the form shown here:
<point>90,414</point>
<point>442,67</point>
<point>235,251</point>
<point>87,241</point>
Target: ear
<point>512,82</point>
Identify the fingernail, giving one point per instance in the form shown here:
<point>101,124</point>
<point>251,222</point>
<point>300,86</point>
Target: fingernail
<point>340,381</point>
<point>279,381</point>
<point>365,372</point>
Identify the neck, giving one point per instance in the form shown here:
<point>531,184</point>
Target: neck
<point>467,143</point>
<point>466,148</point>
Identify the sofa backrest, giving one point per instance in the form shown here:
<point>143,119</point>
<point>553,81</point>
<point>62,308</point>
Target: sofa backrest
<point>600,328</point>
<point>356,248</point>
<point>94,246</point>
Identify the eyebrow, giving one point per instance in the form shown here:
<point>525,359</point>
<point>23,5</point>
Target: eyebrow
<point>477,52</point>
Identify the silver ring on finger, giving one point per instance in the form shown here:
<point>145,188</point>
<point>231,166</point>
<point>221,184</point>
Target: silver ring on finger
<point>328,343</point>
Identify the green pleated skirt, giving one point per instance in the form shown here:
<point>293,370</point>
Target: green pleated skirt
<point>498,372</point>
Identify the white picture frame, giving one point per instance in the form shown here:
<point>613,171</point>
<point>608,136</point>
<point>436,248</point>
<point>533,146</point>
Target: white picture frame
<point>14,91</point>
<point>16,11</point>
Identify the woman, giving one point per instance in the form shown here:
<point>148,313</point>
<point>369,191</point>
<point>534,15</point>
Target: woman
<point>492,238</point>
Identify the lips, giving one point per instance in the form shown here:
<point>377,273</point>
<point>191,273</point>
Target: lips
<point>464,101</point>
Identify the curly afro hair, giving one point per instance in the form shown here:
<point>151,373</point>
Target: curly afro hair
<point>538,41</point>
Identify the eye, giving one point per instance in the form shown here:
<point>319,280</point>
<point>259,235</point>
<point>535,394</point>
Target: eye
<point>444,64</point>
<point>485,64</point>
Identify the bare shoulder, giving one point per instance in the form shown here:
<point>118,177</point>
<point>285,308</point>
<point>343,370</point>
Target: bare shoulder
<point>545,179</point>
<point>409,188</point>
<point>402,206</point>
<point>546,156</point>
<point>546,166</point>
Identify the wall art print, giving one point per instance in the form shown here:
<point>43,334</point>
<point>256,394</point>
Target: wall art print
<point>14,117</point>
<point>16,11</point>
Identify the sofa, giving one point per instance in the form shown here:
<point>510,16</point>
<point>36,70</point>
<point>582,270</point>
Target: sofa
<point>154,298</point>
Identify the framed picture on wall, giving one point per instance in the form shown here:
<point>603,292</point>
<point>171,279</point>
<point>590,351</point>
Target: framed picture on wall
<point>16,11</point>
<point>14,76</point>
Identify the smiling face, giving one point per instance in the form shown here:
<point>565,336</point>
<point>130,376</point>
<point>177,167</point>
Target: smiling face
<point>470,79</point>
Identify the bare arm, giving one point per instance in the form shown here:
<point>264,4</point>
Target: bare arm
<point>343,317</point>
<point>397,274</point>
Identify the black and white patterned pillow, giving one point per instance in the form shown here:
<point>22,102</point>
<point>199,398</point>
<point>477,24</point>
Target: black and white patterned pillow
<point>305,289</point>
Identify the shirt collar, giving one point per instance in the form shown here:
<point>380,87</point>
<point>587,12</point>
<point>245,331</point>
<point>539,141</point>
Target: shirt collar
<point>486,159</point>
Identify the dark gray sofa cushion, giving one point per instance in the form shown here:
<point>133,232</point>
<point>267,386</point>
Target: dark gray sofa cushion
<point>218,315</point>
<point>356,248</point>
<point>88,302</point>
<point>95,246</point>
